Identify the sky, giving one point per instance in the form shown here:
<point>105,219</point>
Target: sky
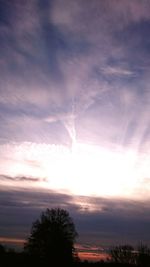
<point>74,118</point>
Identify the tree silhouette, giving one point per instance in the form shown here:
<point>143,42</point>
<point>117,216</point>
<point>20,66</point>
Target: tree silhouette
<point>123,254</point>
<point>2,250</point>
<point>52,238</point>
<point>2,254</point>
<point>143,258</point>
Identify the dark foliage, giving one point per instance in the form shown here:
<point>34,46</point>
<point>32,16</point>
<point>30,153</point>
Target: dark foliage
<point>128,256</point>
<point>143,256</point>
<point>51,243</point>
<point>11,258</point>
<point>52,238</point>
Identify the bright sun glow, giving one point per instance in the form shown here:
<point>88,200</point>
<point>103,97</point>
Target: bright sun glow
<point>82,170</point>
<point>89,170</point>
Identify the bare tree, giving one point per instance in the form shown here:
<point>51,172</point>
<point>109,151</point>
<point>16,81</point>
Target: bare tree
<point>123,254</point>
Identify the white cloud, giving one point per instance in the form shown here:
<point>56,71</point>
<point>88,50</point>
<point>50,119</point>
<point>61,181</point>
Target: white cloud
<point>118,71</point>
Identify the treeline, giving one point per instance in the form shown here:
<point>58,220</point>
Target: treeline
<point>51,243</point>
<point>120,256</point>
<point>130,256</point>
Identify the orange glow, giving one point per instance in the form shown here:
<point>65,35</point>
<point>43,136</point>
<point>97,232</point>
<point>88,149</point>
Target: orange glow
<point>92,256</point>
<point>91,252</point>
<point>12,240</point>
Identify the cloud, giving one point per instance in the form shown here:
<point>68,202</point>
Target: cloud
<point>74,70</point>
<point>59,167</point>
<point>19,208</point>
<point>103,223</point>
<point>20,178</point>
<point>117,71</point>
<point>134,11</point>
<point>113,15</point>
<point>86,78</point>
<point>68,75</point>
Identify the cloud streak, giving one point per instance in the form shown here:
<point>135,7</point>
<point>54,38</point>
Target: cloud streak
<point>19,179</point>
<point>83,75</point>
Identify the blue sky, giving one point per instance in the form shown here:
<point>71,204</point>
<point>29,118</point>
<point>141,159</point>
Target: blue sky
<point>74,109</point>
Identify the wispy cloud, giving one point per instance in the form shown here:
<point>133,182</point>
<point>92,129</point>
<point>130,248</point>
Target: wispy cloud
<point>79,57</point>
<point>19,179</point>
<point>117,71</point>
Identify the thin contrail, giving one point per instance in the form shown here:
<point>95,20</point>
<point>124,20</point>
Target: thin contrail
<point>69,123</point>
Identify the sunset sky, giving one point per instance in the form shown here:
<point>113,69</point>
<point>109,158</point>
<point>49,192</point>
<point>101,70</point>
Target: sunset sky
<point>75,118</point>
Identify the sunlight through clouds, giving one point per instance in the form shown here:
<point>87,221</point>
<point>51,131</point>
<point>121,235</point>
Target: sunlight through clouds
<point>83,170</point>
